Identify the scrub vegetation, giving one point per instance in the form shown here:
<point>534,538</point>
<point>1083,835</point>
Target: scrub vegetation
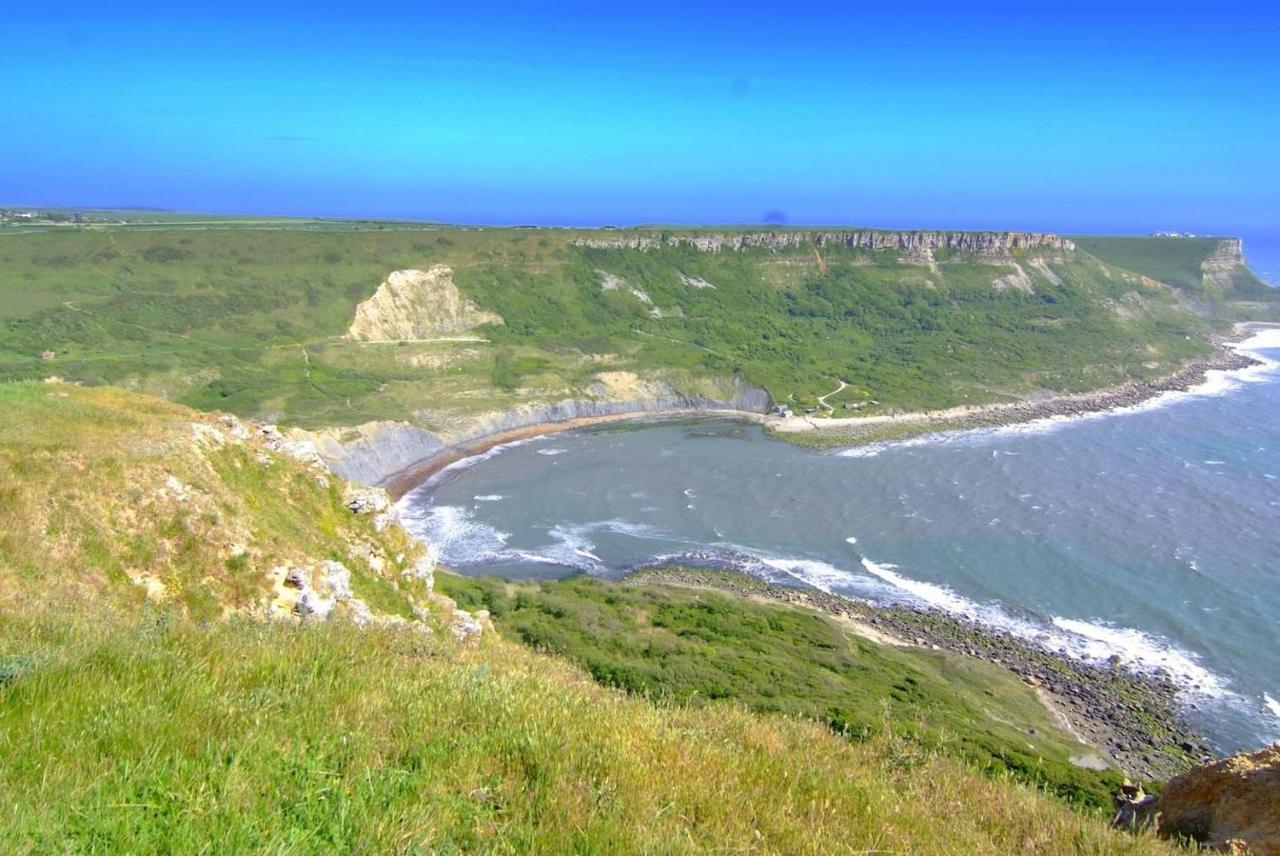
<point>250,318</point>
<point>700,647</point>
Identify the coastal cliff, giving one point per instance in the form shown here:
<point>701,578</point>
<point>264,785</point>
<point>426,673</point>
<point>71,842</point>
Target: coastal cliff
<point>1221,267</point>
<point>375,452</point>
<point>911,244</point>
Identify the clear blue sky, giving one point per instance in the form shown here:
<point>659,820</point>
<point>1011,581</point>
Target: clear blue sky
<point>1032,115</point>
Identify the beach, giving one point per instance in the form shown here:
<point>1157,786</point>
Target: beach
<point>872,429</point>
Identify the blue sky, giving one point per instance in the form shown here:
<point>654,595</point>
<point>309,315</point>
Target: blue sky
<point>1057,116</point>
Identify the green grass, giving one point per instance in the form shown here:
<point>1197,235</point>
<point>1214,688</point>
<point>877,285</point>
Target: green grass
<point>86,483</point>
<point>249,319</point>
<point>701,647</point>
<point>185,723</point>
<point>1172,260</point>
<point>158,736</point>
<point>1177,261</point>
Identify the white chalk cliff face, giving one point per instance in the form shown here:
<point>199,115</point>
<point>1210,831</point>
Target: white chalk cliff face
<point>416,304</point>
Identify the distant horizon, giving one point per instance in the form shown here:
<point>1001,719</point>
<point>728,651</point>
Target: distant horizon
<point>657,224</point>
<point>1106,120</point>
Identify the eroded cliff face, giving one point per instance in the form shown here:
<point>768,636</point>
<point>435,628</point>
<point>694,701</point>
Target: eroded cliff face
<point>369,453</point>
<point>914,245</point>
<point>374,452</point>
<point>416,304</point>
<point>1221,267</point>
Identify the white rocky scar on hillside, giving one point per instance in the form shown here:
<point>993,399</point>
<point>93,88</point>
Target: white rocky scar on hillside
<point>319,590</point>
<point>613,282</point>
<point>414,305</point>
<point>1019,280</point>
<point>695,281</point>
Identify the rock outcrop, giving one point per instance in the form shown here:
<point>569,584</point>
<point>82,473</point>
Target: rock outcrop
<point>1229,805</point>
<point>1220,268</point>
<point>374,452</point>
<point>914,245</point>
<point>369,453</point>
<point>415,304</point>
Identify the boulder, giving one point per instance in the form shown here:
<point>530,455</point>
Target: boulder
<point>1228,805</point>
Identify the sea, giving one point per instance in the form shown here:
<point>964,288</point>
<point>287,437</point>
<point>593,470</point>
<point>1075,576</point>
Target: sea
<point>1152,532</point>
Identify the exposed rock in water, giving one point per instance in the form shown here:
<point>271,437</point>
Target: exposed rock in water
<point>415,304</point>
<point>917,245</point>
<point>1228,805</point>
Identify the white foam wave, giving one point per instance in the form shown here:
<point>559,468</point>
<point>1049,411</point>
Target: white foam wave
<point>821,575</point>
<point>1143,651</point>
<point>851,540</point>
<point>490,497</point>
<point>934,595</point>
<point>458,539</point>
<point>1268,338</point>
<point>551,453</point>
<point>1093,642</point>
<point>454,534</point>
<point>1272,705</point>
<point>464,463</point>
<point>1216,382</point>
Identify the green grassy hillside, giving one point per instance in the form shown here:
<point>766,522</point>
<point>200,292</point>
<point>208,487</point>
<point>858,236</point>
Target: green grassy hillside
<point>251,319</point>
<point>149,704</point>
<point>1180,262</point>
<point>698,647</point>
<point>1173,260</point>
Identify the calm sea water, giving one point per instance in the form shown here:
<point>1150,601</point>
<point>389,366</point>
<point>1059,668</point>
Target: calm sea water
<point>1153,533</point>
<point>1263,255</point>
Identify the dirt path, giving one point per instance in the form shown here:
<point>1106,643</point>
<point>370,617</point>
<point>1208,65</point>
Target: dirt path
<point>822,399</point>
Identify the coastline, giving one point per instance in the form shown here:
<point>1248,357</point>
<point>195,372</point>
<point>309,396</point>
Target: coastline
<point>415,476</point>
<point>1132,721</point>
<point>865,430</point>
<point>871,429</point>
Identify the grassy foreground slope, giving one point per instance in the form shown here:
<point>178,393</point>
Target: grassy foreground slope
<point>251,320</point>
<point>130,723</point>
<point>699,646</point>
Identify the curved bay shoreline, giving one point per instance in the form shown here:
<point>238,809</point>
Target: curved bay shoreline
<point>862,430</point>
<point>1134,721</point>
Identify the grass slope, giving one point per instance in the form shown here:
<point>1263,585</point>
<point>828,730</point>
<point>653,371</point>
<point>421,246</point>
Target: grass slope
<point>136,726</point>
<point>698,647</point>
<point>104,491</point>
<point>250,320</point>
<point>1172,260</point>
<point>243,737</point>
<point>1177,261</point>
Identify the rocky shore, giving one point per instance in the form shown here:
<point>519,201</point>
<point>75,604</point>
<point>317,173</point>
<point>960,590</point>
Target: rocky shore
<point>896,426</point>
<point>1131,719</point>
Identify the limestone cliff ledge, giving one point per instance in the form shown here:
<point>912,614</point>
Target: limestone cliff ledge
<point>375,452</point>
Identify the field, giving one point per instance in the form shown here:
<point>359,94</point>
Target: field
<point>249,317</point>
